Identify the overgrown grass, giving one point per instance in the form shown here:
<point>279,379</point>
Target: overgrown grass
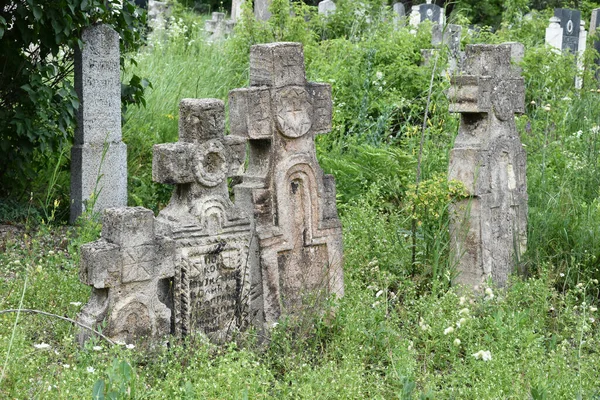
<point>401,331</point>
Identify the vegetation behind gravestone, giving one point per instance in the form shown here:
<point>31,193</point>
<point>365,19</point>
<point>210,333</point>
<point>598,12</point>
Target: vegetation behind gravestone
<point>38,100</point>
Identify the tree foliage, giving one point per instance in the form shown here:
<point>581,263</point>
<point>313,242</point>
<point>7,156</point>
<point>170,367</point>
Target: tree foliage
<point>37,99</point>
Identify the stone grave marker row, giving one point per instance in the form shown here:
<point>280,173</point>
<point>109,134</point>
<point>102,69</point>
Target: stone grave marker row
<point>206,264</point>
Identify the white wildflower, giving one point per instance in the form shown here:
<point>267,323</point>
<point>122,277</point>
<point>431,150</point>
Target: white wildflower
<point>41,345</point>
<point>75,303</point>
<point>464,311</point>
<point>97,348</point>
<point>489,293</point>
<point>457,342</point>
<point>448,330</point>
<point>379,293</point>
<point>593,309</point>
<point>484,355</point>
<point>66,366</point>
<point>595,129</point>
<point>379,75</point>
<point>130,346</point>
<point>561,275</point>
<point>462,300</point>
<point>91,370</point>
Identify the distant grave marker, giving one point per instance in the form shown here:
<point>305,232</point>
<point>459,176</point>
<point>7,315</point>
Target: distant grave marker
<point>218,26</point>
<point>326,7</point>
<point>427,12</point>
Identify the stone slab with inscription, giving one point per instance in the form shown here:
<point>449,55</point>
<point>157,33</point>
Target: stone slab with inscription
<point>99,157</point>
<point>489,227</point>
<point>212,235</point>
<point>297,260</point>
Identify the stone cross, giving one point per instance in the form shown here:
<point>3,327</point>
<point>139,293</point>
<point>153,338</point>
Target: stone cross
<point>98,156</point>
<point>218,26</point>
<point>129,270</point>
<point>489,228</point>
<point>297,261</point>
<point>428,11</point>
<point>326,7</point>
<point>212,235</point>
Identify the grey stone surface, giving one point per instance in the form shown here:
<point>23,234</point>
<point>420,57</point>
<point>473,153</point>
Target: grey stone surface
<point>261,9</point>
<point>594,33</point>
<point>129,270</point>
<point>236,10</point>
<point>212,275</point>
<point>99,157</point>
<point>326,7</point>
<point>158,14</point>
<point>488,229</point>
<point>297,259</point>
<point>218,26</point>
<point>447,37</point>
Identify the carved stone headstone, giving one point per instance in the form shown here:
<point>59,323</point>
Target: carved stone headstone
<point>297,262</point>
<point>212,278</point>
<point>594,32</point>
<point>570,21</point>
<point>218,26</point>
<point>98,156</point>
<point>158,13</point>
<point>129,270</point>
<point>326,7</point>
<point>427,11</point>
<point>399,15</point>
<point>261,9</point>
<point>236,10</point>
<point>488,229</point>
<point>447,36</point>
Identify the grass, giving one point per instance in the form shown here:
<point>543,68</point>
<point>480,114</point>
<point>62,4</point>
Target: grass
<point>401,331</point>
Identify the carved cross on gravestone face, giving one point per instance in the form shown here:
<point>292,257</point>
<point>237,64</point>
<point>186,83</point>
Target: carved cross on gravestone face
<point>212,235</point>
<point>570,21</point>
<point>218,26</point>
<point>489,83</point>
<point>129,271</point>
<point>293,203</point>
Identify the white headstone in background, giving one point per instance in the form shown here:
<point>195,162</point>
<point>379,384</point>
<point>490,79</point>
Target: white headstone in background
<point>399,15</point>
<point>261,9</point>
<point>236,10</point>
<point>326,7</point>
<point>98,156</point>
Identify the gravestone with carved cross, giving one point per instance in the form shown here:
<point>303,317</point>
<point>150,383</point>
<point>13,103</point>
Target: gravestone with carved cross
<point>218,26</point>
<point>297,261</point>
<point>129,270</point>
<point>212,235</point>
<point>488,228</point>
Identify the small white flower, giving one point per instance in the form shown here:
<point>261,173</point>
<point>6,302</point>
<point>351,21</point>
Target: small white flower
<point>379,75</point>
<point>464,311</point>
<point>120,343</point>
<point>410,345</point>
<point>532,102</point>
<point>595,129</point>
<point>485,355</point>
<point>379,293</point>
<point>566,98</point>
<point>592,320</point>
<point>562,275</point>
<point>41,345</point>
<point>457,342</point>
<point>461,322</point>
<point>66,366</point>
<point>51,252</point>
<point>130,346</point>
<point>547,108</point>
<point>593,309</point>
<point>462,300</point>
<point>49,388</point>
<point>97,348</point>
<point>272,326</point>
<point>448,330</point>
<point>489,293</point>
<point>75,303</point>
<point>91,370</point>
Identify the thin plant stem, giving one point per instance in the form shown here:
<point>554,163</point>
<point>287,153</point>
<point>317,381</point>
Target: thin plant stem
<point>12,336</point>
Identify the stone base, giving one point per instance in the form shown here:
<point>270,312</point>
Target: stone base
<point>105,175</point>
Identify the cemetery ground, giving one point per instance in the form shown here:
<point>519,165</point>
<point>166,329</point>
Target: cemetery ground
<point>401,331</point>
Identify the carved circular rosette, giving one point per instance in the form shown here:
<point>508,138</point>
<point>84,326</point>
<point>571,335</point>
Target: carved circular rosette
<point>210,163</point>
<point>294,111</point>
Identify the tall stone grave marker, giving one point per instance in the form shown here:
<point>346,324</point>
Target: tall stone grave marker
<point>447,36</point>
<point>261,9</point>
<point>212,236</point>
<point>488,229</point>
<point>326,7</point>
<point>98,156</point>
<point>428,11</point>
<point>129,271</point>
<point>298,258</point>
<point>399,15</point>
<point>594,32</point>
<point>236,10</point>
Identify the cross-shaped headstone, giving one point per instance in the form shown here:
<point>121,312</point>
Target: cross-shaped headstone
<point>212,235</point>
<point>218,26</point>
<point>570,21</point>
<point>291,200</point>
<point>129,270</point>
<point>489,227</point>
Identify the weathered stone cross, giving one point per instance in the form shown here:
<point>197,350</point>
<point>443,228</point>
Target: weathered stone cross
<point>292,201</point>
<point>488,229</point>
<point>211,273</point>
